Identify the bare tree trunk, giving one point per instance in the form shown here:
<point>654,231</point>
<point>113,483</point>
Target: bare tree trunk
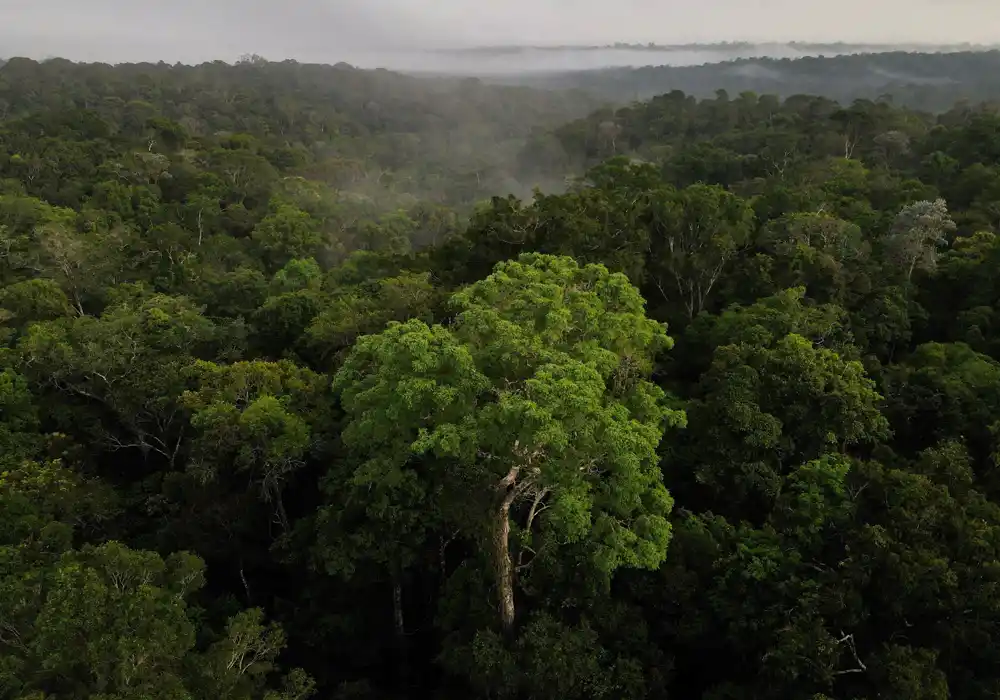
<point>397,608</point>
<point>443,558</point>
<point>279,507</point>
<point>504,566</point>
<point>442,563</point>
<point>399,627</point>
<point>246,586</point>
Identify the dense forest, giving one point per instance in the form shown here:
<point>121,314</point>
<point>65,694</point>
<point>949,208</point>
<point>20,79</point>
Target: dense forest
<point>304,393</point>
<point>927,81</point>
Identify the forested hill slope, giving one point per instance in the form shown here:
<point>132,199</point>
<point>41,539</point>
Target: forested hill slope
<point>444,139</point>
<point>927,81</point>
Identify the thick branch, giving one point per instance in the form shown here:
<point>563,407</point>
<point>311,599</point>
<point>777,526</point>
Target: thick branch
<point>848,639</point>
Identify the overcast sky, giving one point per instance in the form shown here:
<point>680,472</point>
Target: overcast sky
<point>331,30</point>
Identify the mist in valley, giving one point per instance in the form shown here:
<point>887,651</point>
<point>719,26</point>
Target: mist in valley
<point>583,54</point>
<point>511,61</point>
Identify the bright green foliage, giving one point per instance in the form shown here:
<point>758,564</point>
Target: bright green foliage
<point>285,235</point>
<point>532,409</point>
<point>114,621</point>
<point>298,274</point>
<point>388,384</point>
<point>32,300</point>
<point>239,662</point>
<point>42,501</point>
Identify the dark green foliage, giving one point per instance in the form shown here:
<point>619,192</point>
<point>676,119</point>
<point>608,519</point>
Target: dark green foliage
<point>928,81</point>
<point>289,408</point>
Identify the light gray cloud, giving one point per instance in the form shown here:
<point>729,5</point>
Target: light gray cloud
<point>332,30</point>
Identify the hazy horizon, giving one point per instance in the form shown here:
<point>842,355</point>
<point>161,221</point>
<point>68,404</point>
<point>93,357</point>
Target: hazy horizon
<point>329,31</point>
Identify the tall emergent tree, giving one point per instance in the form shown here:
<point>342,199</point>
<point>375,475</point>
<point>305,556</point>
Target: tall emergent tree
<point>530,415</point>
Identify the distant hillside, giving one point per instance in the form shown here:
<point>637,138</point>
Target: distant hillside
<point>927,81</point>
<point>838,47</point>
